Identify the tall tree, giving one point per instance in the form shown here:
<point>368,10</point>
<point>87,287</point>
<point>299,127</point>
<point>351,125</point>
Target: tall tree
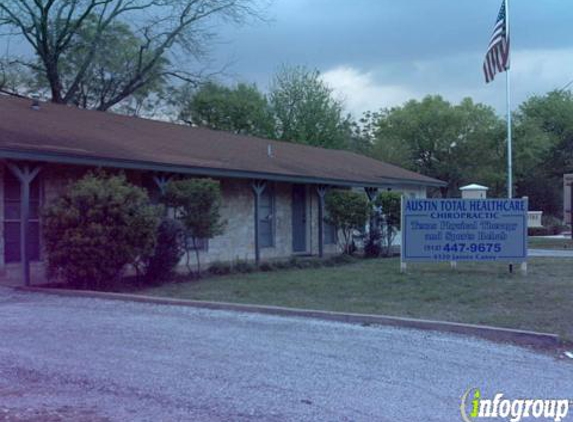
<point>164,28</point>
<point>438,139</point>
<point>544,149</point>
<point>306,110</point>
<point>112,64</point>
<point>13,78</point>
<point>241,109</point>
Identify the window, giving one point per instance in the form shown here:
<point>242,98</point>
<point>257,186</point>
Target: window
<point>330,236</point>
<point>12,219</point>
<point>202,244</point>
<point>267,218</point>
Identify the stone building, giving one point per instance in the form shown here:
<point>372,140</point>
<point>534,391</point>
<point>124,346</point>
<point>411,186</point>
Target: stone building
<point>272,191</point>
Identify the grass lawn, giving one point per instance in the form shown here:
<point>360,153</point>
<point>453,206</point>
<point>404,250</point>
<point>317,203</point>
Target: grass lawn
<point>545,243</point>
<point>474,293</point>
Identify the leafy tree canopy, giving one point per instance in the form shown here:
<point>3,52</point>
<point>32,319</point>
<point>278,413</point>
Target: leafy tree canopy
<point>348,211</point>
<point>438,139</point>
<point>241,109</point>
<point>544,149</point>
<point>197,204</point>
<point>97,227</point>
<point>306,111</point>
<point>100,52</point>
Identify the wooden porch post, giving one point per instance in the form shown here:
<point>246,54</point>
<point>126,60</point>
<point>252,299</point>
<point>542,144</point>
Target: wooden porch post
<point>25,175</point>
<point>258,188</point>
<point>321,192</point>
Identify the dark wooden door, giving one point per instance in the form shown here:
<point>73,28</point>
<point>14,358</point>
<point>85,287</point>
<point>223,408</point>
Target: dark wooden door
<point>298,218</point>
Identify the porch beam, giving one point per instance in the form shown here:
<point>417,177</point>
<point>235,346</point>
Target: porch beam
<point>161,180</point>
<point>26,174</point>
<point>321,193</point>
<point>371,193</point>
<point>258,187</point>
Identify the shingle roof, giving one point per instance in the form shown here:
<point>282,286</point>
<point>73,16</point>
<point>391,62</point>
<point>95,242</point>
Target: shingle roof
<point>58,133</point>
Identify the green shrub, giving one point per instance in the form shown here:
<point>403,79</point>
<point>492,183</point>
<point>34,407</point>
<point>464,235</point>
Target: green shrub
<point>241,266</point>
<point>342,259</point>
<point>198,206</point>
<point>282,265</point>
<point>538,231</point>
<point>220,268</point>
<point>267,267</point>
<point>169,250</point>
<point>348,211</point>
<point>315,263</point>
<point>373,245</point>
<point>293,262</point>
<point>551,226</point>
<point>96,228</point>
<point>303,264</point>
<point>388,218</point>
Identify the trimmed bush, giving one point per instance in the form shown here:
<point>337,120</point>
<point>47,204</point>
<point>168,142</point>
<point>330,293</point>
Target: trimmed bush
<point>98,227</point>
<point>169,250</point>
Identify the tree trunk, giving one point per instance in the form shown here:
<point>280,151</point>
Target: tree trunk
<point>197,256</point>
<point>188,258</point>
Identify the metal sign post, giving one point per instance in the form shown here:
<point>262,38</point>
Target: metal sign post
<point>403,266</point>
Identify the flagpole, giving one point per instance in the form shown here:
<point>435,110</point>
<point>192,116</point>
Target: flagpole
<point>508,104</point>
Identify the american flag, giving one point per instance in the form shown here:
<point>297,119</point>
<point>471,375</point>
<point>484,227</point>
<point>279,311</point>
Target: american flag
<point>497,56</point>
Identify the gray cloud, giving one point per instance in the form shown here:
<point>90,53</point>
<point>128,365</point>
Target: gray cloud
<point>378,53</point>
<point>422,46</point>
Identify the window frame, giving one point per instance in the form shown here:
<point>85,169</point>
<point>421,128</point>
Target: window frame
<point>332,238</point>
<point>203,244</point>
<point>269,190</point>
<point>328,228</point>
<point>6,176</point>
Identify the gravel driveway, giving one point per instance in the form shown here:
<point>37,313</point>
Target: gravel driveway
<point>83,359</point>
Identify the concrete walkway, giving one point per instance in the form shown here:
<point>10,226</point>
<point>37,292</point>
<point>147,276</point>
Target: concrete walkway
<point>551,253</point>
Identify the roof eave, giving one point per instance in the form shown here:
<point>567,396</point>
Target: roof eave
<point>57,158</point>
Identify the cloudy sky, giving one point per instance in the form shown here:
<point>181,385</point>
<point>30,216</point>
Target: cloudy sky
<point>379,53</point>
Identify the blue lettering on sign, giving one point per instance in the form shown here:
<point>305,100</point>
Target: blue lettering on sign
<point>464,230</point>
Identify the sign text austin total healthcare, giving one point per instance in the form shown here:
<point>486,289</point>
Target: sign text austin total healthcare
<point>464,230</point>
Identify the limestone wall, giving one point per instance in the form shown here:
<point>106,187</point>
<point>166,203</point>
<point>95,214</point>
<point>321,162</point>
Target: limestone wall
<point>236,243</point>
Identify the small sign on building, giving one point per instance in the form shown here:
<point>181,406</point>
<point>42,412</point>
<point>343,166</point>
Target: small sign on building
<point>474,191</point>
